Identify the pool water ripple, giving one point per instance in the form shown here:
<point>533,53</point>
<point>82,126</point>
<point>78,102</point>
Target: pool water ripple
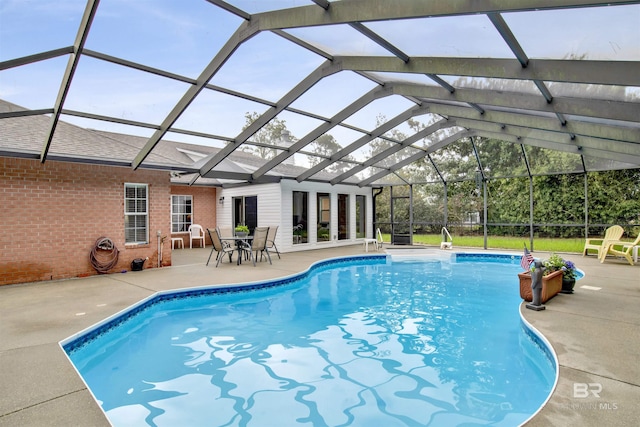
<point>361,342</point>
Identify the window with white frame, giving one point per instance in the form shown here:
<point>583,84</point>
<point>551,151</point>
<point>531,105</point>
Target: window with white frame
<point>181,213</point>
<point>136,213</point>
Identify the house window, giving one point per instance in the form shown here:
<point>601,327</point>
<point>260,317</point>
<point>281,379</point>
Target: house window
<point>181,213</point>
<point>136,213</point>
<point>300,217</point>
<point>324,217</point>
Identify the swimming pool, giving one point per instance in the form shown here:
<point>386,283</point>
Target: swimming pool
<point>360,341</point>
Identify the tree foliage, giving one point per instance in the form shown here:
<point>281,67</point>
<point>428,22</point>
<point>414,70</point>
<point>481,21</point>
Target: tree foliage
<point>558,183</point>
<point>273,133</point>
<point>325,146</point>
<point>558,191</point>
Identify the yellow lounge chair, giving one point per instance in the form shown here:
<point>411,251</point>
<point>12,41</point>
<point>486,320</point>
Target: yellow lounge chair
<point>625,249</point>
<point>614,232</point>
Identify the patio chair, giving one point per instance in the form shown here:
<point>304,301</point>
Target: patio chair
<point>225,232</point>
<point>620,248</point>
<point>258,244</point>
<point>377,241</point>
<point>271,239</point>
<point>612,233</point>
<point>195,233</point>
<point>219,247</point>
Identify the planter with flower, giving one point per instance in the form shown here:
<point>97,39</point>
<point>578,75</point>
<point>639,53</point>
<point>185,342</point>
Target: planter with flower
<point>551,279</point>
<point>568,268</point>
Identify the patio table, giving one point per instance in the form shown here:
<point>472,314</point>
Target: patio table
<point>238,242</point>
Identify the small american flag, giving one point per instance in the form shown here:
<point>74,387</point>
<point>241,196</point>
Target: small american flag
<point>527,259</point>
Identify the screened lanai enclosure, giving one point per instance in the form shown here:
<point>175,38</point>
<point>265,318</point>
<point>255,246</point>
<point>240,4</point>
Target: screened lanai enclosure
<point>488,117</point>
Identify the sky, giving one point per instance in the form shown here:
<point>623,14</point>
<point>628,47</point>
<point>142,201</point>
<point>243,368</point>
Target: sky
<point>182,36</point>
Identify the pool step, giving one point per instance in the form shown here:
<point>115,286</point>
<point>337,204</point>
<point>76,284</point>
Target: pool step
<point>418,254</point>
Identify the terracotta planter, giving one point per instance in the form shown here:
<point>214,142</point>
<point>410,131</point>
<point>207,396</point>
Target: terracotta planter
<point>551,286</point>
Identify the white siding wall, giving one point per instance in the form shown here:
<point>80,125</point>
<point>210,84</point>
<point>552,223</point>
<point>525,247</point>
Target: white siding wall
<point>275,207</point>
<point>268,205</point>
<point>313,188</point>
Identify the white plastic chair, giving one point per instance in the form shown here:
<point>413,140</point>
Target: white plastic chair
<point>377,242</point>
<point>195,233</point>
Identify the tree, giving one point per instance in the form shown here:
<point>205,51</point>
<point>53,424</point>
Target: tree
<point>325,146</point>
<point>273,133</point>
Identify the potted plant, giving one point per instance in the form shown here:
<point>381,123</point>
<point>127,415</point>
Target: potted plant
<point>568,277</point>
<point>242,230</point>
<point>299,233</point>
<point>551,279</point>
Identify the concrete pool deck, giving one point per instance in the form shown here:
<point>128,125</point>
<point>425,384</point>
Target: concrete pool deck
<point>595,333</point>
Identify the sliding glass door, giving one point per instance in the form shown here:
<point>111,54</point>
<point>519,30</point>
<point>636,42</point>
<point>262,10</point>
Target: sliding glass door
<point>245,212</point>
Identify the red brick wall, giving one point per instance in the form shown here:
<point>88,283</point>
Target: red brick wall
<point>52,214</point>
<point>204,208</point>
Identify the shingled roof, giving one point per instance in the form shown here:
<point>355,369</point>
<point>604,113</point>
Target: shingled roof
<point>21,136</point>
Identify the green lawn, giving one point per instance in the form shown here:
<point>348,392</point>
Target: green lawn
<point>499,242</point>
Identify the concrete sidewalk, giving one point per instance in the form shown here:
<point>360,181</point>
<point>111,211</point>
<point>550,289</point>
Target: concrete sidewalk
<point>595,333</point>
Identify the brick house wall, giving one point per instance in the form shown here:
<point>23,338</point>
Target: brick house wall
<point>52,214</point>
<point>204,209</point>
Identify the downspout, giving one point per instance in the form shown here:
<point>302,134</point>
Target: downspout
<point>159,234</point>
<point>375,195</point>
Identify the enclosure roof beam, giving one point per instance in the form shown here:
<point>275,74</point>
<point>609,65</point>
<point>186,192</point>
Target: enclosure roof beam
<point>326,69</point>
<point>610,132</point>
<point>567,148</point>
<point>379,10</point>
<point>623,73</point>
<point>302,43</point>
<point>374,94</point>
<point>587,107</point>
<point>604,145</point>
<point>244,32</point>
<point>393,122</point>
<point>511,41</point>
<point>25,113</point>
<point>394,149</point>
<point>239,176</point>
<point>30,59</point>
<point>72,64</point>
<point>230,8</point>
<point>379,40</point>
<point>449,140</point>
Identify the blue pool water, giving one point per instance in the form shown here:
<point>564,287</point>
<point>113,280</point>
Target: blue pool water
<point>366,341</point>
